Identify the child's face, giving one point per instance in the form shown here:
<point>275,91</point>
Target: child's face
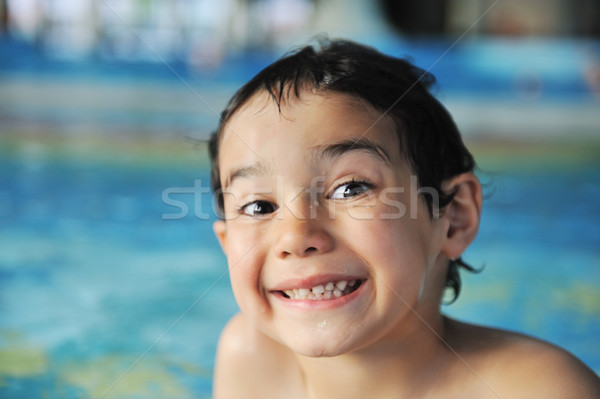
<point>307,211</point>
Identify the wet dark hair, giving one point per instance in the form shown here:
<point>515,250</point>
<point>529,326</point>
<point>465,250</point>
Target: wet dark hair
<point>429,138</point>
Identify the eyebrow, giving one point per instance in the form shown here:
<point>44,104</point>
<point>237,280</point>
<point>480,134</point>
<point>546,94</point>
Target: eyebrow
<point>255,169</point>
<point>334,150</point>
<point>338,149</point>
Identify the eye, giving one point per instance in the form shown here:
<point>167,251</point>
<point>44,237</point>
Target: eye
<point>258,208</point>
<point>350,189</point>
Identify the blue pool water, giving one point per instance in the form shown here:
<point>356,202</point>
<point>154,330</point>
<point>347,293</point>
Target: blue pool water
<point>102,296</point>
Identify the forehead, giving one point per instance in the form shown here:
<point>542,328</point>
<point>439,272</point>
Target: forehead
<point>327,110</point>
<point>259,128</point>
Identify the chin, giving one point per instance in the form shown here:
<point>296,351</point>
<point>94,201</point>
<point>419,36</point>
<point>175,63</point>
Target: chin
<point>320,345</point>
<point>319,351</point>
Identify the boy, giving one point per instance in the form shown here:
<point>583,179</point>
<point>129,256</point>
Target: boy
<point>347,199</point>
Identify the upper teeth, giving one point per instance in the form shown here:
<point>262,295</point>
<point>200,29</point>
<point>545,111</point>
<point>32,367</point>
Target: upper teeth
<point>327,291</point>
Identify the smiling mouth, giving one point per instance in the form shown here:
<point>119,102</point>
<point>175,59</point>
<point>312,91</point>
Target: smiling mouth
<point>331,290</point>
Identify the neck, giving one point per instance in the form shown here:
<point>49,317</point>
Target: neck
<point>403,365</point>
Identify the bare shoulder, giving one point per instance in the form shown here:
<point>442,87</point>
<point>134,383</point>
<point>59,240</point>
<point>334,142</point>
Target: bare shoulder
<point>246,360</point>
<point>518,366</point>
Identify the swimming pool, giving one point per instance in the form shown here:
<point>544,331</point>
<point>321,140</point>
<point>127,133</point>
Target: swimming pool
<point>106,292</point>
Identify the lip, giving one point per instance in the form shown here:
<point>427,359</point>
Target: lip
<point>322,304</point>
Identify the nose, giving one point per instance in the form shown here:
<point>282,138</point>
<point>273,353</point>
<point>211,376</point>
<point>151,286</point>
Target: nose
<point>302,237</point>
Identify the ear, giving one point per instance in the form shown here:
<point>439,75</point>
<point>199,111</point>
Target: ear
<point>463,214</point>
<point>220,229</point>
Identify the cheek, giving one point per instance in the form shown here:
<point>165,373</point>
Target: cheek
<point>245,284</point>
<point>394,250</point>
<point>243,244</point>
<point>245,258</point>
<point>243,263</point>
<point>388,237</point>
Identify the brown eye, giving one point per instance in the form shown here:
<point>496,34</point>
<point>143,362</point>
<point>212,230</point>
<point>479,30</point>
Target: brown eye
<point>350,189</point>
<point>258,208</point>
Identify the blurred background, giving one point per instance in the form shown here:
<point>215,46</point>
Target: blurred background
<point>111,283</point>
